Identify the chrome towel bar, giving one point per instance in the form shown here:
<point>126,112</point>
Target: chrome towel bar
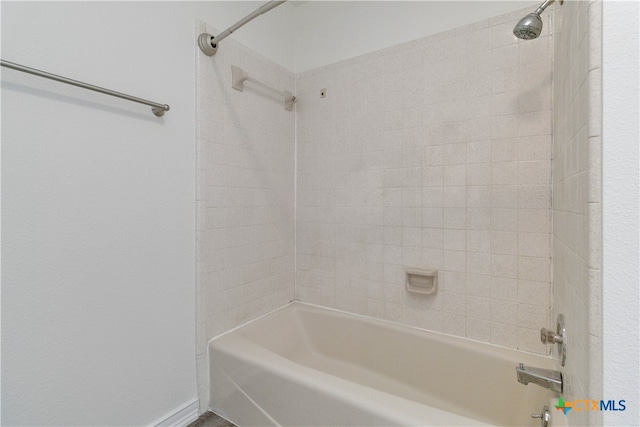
<point>158,109</point>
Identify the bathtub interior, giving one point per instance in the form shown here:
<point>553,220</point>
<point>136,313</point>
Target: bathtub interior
<point>473,380</point>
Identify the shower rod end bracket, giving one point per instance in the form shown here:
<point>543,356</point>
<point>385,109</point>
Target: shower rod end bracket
<point>206,44</point>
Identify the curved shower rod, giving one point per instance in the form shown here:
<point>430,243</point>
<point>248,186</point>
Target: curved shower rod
<point>209,44</point>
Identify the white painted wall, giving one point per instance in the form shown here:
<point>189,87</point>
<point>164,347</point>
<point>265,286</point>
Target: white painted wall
<point>98,197</point>
<point>332,31</point>
<point>621,298</point>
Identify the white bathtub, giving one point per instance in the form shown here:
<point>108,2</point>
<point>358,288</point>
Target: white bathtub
<point>308,366</point>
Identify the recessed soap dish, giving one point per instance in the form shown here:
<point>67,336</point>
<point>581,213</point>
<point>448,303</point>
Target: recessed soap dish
<point>420,281</point>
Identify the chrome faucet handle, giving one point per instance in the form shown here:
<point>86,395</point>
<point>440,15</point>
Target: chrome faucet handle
<point>550,337</point>
<point>559,337</point>
<point>545,416</point>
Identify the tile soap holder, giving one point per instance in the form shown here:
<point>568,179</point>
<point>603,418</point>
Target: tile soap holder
<point>420,281</point>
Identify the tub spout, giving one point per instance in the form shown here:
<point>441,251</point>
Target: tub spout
<point>543,377</point>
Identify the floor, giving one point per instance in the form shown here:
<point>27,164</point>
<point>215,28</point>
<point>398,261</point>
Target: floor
<point>209,419</point>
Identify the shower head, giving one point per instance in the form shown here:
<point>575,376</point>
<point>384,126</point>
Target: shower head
<point>530,26</point>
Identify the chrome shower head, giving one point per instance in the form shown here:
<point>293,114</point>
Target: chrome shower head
<point>528,27</point>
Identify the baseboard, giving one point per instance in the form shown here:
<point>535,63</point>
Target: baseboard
<point>180,417</point>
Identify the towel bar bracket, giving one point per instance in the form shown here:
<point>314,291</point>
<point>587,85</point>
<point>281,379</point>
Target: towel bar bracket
<point>239,76</point>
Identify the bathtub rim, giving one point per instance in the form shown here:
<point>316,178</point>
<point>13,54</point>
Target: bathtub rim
<point>441,335</point>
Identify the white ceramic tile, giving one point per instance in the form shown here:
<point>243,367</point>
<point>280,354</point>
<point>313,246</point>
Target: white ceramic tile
<point>479,263</point>
<point>479,330</point>
<point>433,176</point>
<point>479,152</point>
<point>504,103</point>
<point>504,335</point>
<point>455,239</point>
<point>534,244</point>
<point>538,100</point>
<point>533,268</point>
<point>454,175</point>
<point>455,197</point>
<point>479,196</point>
<point>455,218</point>
<point>236,229</point>
<point>504,57</point>
<point>502,35</point>
<point>533,293</point>
<point>534,220</point>
<point>534,123</point>
<point>534,196</point>
<point>534,172</point>
<point>432,216</point>
<point>455,154</point>
<point>455,260</point>
<point>453,303</point>
<point>478,218</point>
<point>505,196</point>
<point>505,289</point>
<point>507,126</point>
<point>411,256</point>
<point>412,236</point>
<point>478,174</point>
<point>504,265</point>
<point>595,102</point>
<point>529,340</point>
<point>432,258</point>
<point>504,219</point>
<point>454,324</point>
<point>504,312</point>
<point>479,241</point>
<point>504,242</point>
<point>504,149</point>
<point>434,155</point>
<point>504,79</point>
<point>532,316</point>
<point>426,174</point>
<point>533,148</point>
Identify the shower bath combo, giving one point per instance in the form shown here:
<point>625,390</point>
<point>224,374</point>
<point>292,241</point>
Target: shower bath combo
<point>229,364</point>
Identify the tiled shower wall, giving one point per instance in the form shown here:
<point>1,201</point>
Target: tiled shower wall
<point>434,154</point>
<point>245,195</point>
<point>577,197</point>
